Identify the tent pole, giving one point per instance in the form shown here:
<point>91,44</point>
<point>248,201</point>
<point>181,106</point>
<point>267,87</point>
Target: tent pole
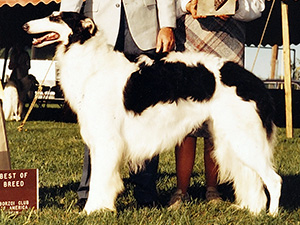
<point>274,61</point>
<point>287,70</point>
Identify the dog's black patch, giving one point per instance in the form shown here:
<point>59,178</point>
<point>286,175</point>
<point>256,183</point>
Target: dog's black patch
<point>249,87</point>
<point>80,34</point>
<point>167,82</point>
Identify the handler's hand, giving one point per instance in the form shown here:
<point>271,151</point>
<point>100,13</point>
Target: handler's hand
<point>223,17</point>
<point>165,40</point>
<point>191,7</point>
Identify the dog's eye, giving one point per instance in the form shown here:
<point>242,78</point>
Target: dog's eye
<point>55,18</point>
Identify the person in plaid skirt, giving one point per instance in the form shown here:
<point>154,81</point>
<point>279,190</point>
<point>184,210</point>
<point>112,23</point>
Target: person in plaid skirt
<point>223,36</point>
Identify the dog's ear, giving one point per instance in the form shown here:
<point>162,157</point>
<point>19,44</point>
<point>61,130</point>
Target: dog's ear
<point>88,24</point>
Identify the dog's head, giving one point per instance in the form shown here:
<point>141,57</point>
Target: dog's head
<point>61,27</point>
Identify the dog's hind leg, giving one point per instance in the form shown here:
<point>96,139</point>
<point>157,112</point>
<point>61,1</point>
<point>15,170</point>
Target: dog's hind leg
<point>265,174</point>
<point>244,155</point>
<point>248,187</point>
<point>105,180</point>
<point>260,162</point>
<point>273,183</point>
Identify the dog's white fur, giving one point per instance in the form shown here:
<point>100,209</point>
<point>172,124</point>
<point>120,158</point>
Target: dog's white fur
<point>93,77</point>
<point>12,107</point>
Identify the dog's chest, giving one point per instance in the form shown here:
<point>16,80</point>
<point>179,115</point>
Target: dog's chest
<point>72,79</point>
<point>84,73</point>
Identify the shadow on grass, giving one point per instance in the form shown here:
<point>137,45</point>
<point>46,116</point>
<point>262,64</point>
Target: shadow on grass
<point>57,114</point>
<point>290,192</point>
<point>50,196</point>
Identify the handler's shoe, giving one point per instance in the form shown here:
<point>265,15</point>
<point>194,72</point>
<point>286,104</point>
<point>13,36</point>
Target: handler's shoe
<point>212,195</point>
<point>177,199</point>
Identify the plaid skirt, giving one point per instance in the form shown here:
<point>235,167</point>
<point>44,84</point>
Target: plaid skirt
<point>211,35</point>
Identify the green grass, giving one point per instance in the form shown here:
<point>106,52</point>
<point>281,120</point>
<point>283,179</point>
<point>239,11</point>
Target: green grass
<point>56,149</point>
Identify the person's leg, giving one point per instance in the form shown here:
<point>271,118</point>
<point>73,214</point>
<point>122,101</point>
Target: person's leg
<point>83,189</point>
<point>145,191</point>
<point>185,158</point>
<point>211,169</point>
<point>211,172</point>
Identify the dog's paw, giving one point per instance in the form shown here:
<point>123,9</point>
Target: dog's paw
<point>96,206</point>
<point>17,118</point>
<point>273,212</point>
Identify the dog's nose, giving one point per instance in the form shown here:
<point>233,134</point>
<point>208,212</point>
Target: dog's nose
<point>25,27</point>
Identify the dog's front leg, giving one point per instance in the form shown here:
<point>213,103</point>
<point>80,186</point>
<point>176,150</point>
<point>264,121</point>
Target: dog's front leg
<point>105,180</point>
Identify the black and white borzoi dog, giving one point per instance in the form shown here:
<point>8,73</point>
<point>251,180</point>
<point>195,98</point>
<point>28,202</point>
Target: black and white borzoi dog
<point>16,93</point>
<point>134,111</point>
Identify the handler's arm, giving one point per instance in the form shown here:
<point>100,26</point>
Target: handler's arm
<point>167,21</point>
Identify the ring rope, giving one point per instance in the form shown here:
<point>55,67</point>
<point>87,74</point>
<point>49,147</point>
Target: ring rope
<point>263,34</point>
<point>37,94</point>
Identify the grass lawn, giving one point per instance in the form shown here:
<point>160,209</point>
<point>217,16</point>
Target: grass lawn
<point>56,149</point>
